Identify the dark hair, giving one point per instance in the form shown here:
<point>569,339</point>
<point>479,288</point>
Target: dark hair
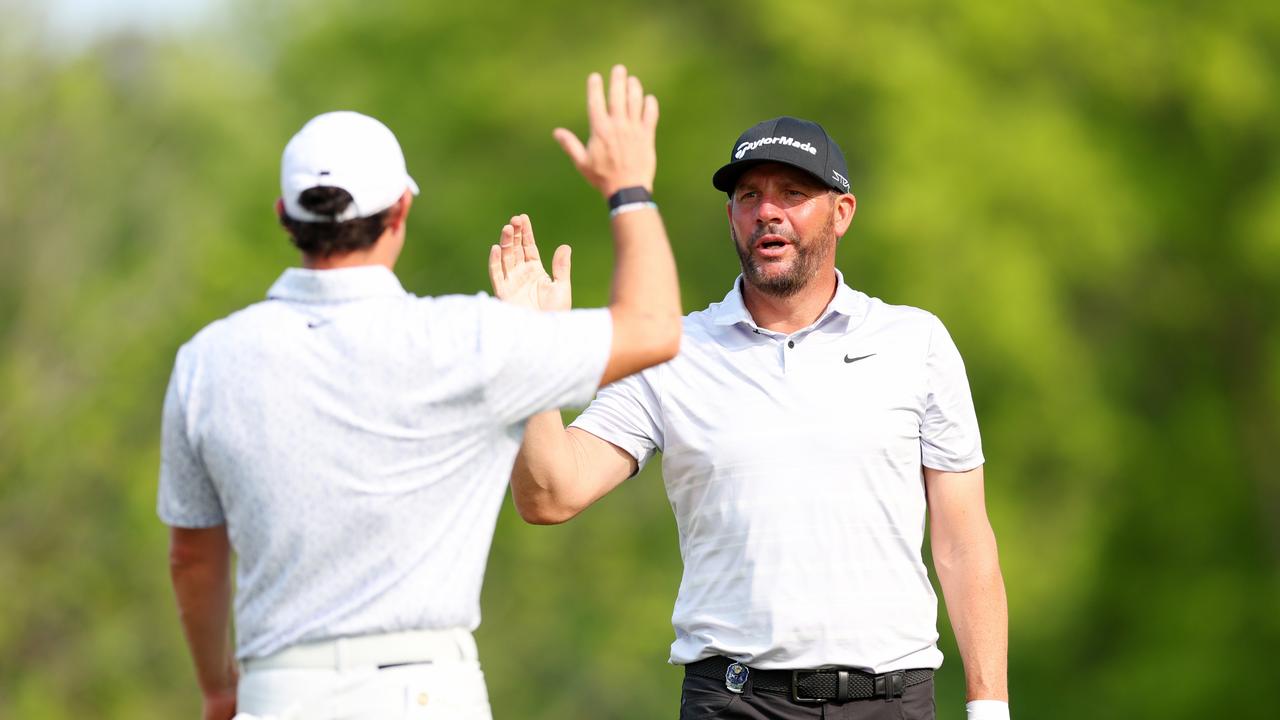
<point>322,239</point>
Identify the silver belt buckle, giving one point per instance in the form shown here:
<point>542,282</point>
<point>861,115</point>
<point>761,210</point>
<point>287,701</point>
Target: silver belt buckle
<point>735,677</point>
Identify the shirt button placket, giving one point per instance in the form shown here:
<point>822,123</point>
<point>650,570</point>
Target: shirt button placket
<point>784,347</point>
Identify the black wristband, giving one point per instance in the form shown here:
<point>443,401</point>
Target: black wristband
<point>628,196</point>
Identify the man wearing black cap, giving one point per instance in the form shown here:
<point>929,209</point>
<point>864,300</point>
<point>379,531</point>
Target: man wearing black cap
<point>806,430</point>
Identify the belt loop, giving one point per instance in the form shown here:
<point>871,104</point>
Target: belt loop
<point>897,685</point>
<point>890,685</point>
<point>842,686</point>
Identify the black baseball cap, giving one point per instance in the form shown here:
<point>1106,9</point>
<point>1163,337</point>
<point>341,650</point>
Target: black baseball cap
<point>791,141</point>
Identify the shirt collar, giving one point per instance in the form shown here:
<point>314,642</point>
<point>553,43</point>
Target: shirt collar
<point>342,284</point>
<point>732,310</point>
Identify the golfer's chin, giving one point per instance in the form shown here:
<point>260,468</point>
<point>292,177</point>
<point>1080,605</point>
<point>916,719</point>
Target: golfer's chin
<point>772,270</point>
<point>775,278</point>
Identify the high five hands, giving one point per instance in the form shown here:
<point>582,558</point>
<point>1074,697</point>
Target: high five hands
<point>619,153</point>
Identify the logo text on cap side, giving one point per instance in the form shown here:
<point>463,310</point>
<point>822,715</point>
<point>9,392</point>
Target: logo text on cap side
<point>779,140</point>
<point>844,182</point>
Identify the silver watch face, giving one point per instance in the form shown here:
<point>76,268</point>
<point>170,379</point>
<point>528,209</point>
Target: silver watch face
<point>735,677</point>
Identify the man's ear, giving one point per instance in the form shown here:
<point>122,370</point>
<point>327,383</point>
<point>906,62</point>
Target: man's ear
<point>400,211</point>
<point>845,206</point>
<point>280,209</point>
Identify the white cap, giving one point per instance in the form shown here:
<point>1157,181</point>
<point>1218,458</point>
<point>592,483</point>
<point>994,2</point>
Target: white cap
<point>346,150</point>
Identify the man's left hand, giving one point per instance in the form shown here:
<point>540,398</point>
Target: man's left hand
<point>516,271</point>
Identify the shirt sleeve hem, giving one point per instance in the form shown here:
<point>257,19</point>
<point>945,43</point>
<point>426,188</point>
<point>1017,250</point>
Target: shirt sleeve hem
<point>627,445</point>
<point>193,522</point>
<point>582,395</point>
<point>954,465</point>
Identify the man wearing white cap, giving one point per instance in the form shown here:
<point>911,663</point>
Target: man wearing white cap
<point>350,443</point>
<point>806,430</point>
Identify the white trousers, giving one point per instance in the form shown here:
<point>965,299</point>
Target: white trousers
<point>342,680</point>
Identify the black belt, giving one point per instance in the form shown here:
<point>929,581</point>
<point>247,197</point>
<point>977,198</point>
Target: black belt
<point>818,686</point>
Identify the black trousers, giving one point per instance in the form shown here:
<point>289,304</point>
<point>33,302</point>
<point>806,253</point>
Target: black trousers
<point>707,698</point>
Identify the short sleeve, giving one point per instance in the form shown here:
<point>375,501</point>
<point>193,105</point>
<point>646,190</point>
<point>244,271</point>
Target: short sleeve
<point>627,414</point>
<point>536,361</point>
<point>949,438</point>
<point>187,496</point>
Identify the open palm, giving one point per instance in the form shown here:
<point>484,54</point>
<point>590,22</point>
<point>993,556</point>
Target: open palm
<point>516,271</point>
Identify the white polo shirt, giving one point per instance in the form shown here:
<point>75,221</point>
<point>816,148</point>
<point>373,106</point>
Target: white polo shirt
<point>793,465</point>
<point>357,442</point>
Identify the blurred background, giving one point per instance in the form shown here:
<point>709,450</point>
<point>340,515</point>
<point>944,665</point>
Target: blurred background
<point>1087,193</point>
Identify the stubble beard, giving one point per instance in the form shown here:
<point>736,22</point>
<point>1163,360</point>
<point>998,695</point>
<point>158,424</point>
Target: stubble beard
<point>808,253</point>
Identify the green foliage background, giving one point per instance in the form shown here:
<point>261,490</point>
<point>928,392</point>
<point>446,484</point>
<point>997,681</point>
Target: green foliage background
<point>1088,193</point>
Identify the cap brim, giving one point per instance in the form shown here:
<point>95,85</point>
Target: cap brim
<point>726,178</point>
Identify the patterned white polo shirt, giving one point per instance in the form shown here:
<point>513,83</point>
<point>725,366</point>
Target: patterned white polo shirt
<point>793,465</point>
<point>357,442</point>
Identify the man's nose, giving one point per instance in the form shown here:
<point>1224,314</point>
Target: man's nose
<point>769,211</point>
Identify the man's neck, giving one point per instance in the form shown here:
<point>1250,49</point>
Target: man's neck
<point>345,260</point>
<point>384,252</point>
<point>793,312</point>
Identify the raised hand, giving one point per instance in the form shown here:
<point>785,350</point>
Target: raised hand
<point>516,271</point>
<point>620,150</point>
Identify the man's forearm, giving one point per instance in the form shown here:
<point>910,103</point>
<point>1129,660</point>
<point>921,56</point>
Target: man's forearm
<point>976,604</point>
<point>645,300</point>
<point>201,575</point>
<point>560,472</point>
